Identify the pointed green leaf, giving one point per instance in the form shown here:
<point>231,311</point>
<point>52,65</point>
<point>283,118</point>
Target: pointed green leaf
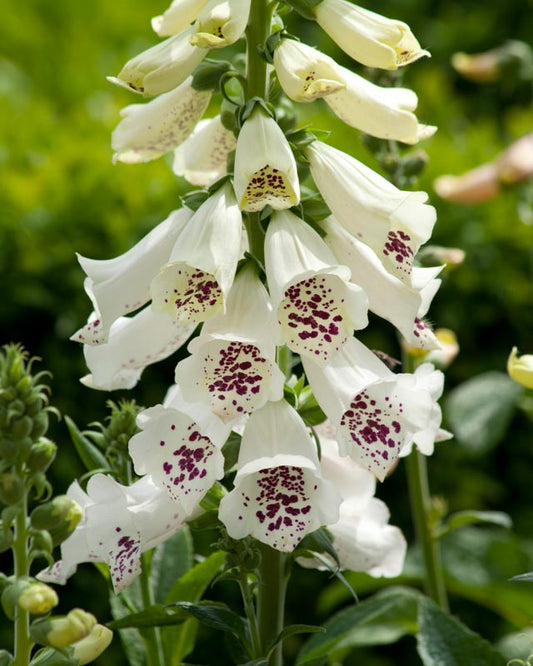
<point>153,616</point>
<point>90,455</point>
<point>170,561</point>
<point>292,630</point>
<point>216,615</point>
<point>525,577</point>
<point>462,518</point>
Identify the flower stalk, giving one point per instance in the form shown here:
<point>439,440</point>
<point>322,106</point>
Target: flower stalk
<point>271,599</point>
<point>151,635</point>
<point>23,644</point>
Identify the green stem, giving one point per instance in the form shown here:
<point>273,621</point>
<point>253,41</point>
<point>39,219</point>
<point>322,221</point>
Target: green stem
<point>23,644</point>
<point>257,31</point>
<point>271,599</point>
<point>151,635</point>
<point>256,236</point>
<point>249,609</point>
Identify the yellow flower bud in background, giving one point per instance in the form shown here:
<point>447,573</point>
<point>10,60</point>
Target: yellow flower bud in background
<point>38,598</point>
<point>520,368</point>
<point>92,646</point>
<point>62,631</point>
<point>449,348</point>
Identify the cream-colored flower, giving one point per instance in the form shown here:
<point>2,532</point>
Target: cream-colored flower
<point>520,368</point>
<point>177,17</point>
<point>221,22</point>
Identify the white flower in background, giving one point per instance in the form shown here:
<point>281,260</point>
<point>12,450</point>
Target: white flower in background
<point>162,67</point>
<point>121,285</point>
<point>150,130</point>
<point>133,343</point>
<point>232,367</point>
<point>376,412</point>
<point>362,537</point>
<point>304,73</point>
<point>386,113</point>
<point>392,222</point>
<point>220,23</point>
<point>202,158</point>
<point>180,447</point>
<point>369,38</point>
<point>520,368</point>
<point>194,284</point>
<point>402,305</point>
<point>317,307</point>
<point>279,494</point>
<point>265,168</point>
<point>177,17</point>
<point>118,524</point>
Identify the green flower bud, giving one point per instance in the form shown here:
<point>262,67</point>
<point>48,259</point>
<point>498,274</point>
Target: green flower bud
<point>92,646</point>
<point>38,598</point>
<point>41,543</point>
<point>11,593</point>
<point>62,631</point>
<point>42,455</point>
<point>11,488</point>
<point>40,425</point>
<point>22,427</point>
<point>6,659</point>
<point>6,539</point>
<point>60,512</point>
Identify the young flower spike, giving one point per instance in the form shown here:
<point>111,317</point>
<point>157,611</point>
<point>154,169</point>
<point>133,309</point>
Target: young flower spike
<point>371,39</point>
<point>202,158</point>
<point>279,494</point>
<point>177,17</point>
<point>162,67</point>
<point>317,307</point>
<point>150,130</point>
<point>376,412</point>
<point>265,168</point>
<point>232,367</point>
<point>220,23</point>
<point>195,282</point>
<point>392,222</point>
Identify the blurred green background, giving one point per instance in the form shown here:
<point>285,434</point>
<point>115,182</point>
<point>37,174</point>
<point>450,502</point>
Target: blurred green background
<point>60,194</point>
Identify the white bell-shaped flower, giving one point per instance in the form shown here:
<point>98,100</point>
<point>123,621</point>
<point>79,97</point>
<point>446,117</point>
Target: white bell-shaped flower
<point>220,23</point>
<point>376,412</point>
<point>392,222</point>
<point>162,67</point>
<point>232,367</point>
<point>369,38</point>
<point>317,307</point>
<point>180,447</point>
<point>265,168</point>
<point>133,343</point>
<point>202,158</point>
<point>150,130</point>
<point>177,17</point>
<point>121,285</point>
<point>194,284</point>
<point>279,494</point>
<point>402,305</point>
<point>304,73</point>
<point>118,524</point>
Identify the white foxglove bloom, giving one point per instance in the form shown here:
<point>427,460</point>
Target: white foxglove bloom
<point>118,524</point>
<point>369,38</point>
<point>232,367</point>
<point>162,67</point>
<point>202,158</point>
<point>400,304</point>
<point>317,307</point>
<point>194,284</point>
<point>134,342</point>
<point>304,73</point>
<point>392,222</point>
<point>386,113</point>
<point>150,130</point>
<point>279,494</point>
<point>376,412</point>
<point>220,23</point>
<point>265,168</point>
<point>181,452</point>
<point>177,17</point>
<point>121,285</point>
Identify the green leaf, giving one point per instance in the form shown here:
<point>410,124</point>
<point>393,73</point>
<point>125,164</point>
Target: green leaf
<point>479,410</point>
<point>50,657</point>
<point>216,615</point>
<point>292,630</point>
<point>462,518</point>
<point>444,641</point>
<point>256,662</point>
<point>153,616</point>
<point>380,620</point>
<point>170,561</point>
<point>526,577</point>
<point>90,455</point>
<point>127,602</point>
<point>231,452</point>
<point>318,541</point>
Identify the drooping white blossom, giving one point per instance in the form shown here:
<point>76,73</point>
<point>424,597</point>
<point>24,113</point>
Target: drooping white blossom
<point>376,412</point>
<point>220,23</point>
<point>202,158</point>
<point>369,38</point>
<point>195,282</point>
<point>317,307</point>
<point>394,223</point>
<point>265,168</point>
<point>279,492</point>
<point>177,17</point>
<point>154,128</point>
<point>232,367</point>
<point>162,67</point>
<point>121,285</point>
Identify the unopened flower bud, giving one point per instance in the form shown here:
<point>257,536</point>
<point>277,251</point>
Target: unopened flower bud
<point>62,631</point>
<point>436,255</point>
<point>38,598</point>
<point>11,488</point>
<point>5,658</point>
<point>60,512</point>
<point>92,646</point>
<point>516,163</point>
<point>449,349</point>
<point>520,368</point>
<point>472,187</point>
<point>513,60</point>
<point>42,455</point>
<point>479,67</point>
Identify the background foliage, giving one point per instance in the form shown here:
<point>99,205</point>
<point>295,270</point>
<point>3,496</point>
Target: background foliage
<point>60,193</point>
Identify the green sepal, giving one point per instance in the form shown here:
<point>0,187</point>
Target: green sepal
<point>231,452</point>
<point>51,657</point>
<point>90,455</point>
<point>194,199</point>
<point>305,7</point>
<point>318,541</point>
<point>208,74</point>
